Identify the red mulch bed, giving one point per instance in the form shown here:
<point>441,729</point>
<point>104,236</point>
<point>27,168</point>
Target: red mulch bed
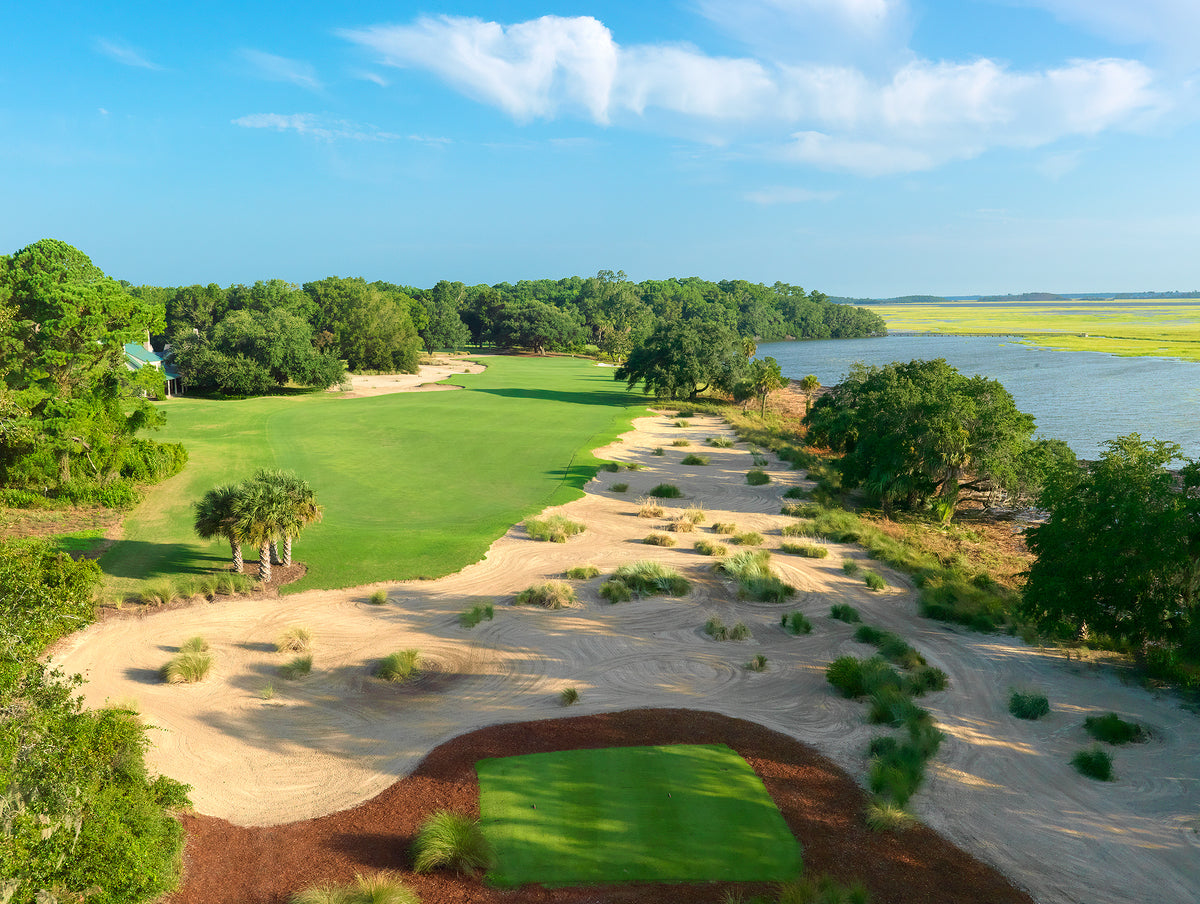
<point>227,864</point>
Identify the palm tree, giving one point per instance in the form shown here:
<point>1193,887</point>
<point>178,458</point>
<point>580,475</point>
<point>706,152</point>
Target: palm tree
<point>262,516</point>
<point>301,507</point>
<point>808,386</point>
<point>216,516</point>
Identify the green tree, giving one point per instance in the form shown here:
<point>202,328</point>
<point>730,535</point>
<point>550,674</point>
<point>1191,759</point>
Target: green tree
<point>444,327</point>
<point>536,326</point>
<point>300,506</point>
<point>1119,552</point>
<point>369,326</point>
<point>216,516</point>
<point>263,514</point>
<point>916,434</point>
<point>764,378</point>
<point>681,359</point>
<point>809,386</point>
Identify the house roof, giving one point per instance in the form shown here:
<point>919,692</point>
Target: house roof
<point>138,356</point>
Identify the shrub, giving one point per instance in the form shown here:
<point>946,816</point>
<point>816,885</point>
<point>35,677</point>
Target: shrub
<point>297,668</point>
<point>749,538</point>
<point>666,491</point>
<point>616,591</point>
<point>682,423</point>
<point>720,442</point>
<point>885,816</point>
<point>844,612</point>
<point>548,595</point>
<point>568,696</point>
<point>1094,763</point>
<point>476,614</point>
<point>739,632</point>
<point>694,513</point>
<point>891,706</point>
<point>681,443</point>
<point>657,539</point>
<point>620,488</point>
<point>651,579</point>
<point>452,841</point>
<point>757,477</point>
<point>296,639</point>
<point>925,679</point>
<point>687,412</point>
<point>715,628</point>
<point>658,450</point>
<point>649,508</point>
<point>796,623</point>
<point>807,550</point>
<point>378,598</point>
<point>583,572</point>
<point>849,566</point>
<point>683,526</point>
<point>556,528</point>
<point>724,527</point>
<point>758,663</point>
<point>796,493</point>
<point>187,668</point>
<point>399,666</point>
<point>1112,729</point>
<point>1028,705</point>
<point>610,466</point>
<point>874,580</point>
<point>694,460</point>
<point>709,548</point>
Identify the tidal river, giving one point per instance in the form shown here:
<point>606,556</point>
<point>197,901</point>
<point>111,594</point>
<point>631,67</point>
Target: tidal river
<point>1083,398</point>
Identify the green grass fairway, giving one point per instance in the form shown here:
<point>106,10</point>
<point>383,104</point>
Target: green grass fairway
<point>685,813</point>
<point>414,484</point>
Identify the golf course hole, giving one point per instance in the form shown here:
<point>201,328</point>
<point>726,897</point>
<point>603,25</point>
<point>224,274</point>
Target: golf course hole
<point>676,813</point>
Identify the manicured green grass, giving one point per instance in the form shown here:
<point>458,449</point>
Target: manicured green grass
<point>684,813</point>
<point>414,484</point>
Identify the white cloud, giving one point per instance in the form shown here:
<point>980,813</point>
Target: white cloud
<point>314,125</point>
<point>682,80</point>
<point>782,194</point>
<point>865,158</point>
<point>1171,24</point>
<point>281,69</point>
<point>124,54</point>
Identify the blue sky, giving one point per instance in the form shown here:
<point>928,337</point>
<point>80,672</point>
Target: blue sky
<point>859,147</point>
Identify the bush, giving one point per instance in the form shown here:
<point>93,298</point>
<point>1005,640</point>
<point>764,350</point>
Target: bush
<point>1112,729</point>
<point>844,612</point>
<point>758,663</point>
<point>399,666</point>
<point>649,508</point>
<point>724,527</point>
<point>296,639</point>
<point>892,706</point>
<point>757,477</point>
<point>796,493</point>
<point>851,567</point>
<point>297,668</point>
<point>548,595</point>
<point>187,668</point>
<point>1031,705</point>
<point>620,488</point>
<point>556,528</point>
<point>873,580</point>
<point>1094,763</point>
<point>651,579</point>
<point>616,591</point>
<point>694,460</point>
<point>657,539</point>
<point>160,592</point>
<point>807,550</point>
<point>687,412</point>
<point>583,572</point>
<point>451,841</point>
<point>709,548</point>
<point>476,614</point>
<point>378,598</point>
<point>683,526</point>
<point>568,696</point>
<point>796,623</point>
<point>666,491</point>
<point>749,538</point>
<point>720,442</point>
<point>925,679</point>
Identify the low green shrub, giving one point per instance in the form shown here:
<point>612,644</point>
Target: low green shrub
<point>885,816</point>
<point>1112,729</point>
<point>652,579</point>
<point>891,646</point>
<point>954,599</point>
<point>568,696</point>
<point>851,567</point>
<point>448,840</point>
<point>844,612</point>
<point>796,623</point>
<point>620,488</point>
<point>724,527</point>
<point>748,538</point>
<point>555,528</point>
<point>758,663</point>
<point>892,706</point>
<point>658,450</point>
<point>740,631</point>
<point>696,460</point>
<point>616,591</point>
<point>757,477</point>
<point>398,666</point>
<point>548,595</point>
<point>687,412</point>
<point>583,572</point>
<point>476,614</point>
<point>806,550</point>
<point>1094,763</point>
<point>720,442</point>
<point>187,668</point>
<point>1028,705</point>
<point>799,529</point>
<point>666,491</point>
<point>925,679</point>
<point>297,668</point>
<point>160,592</point>
<point>874,580</point>
<point>296,639</point>
<point>796,493</point>
<point>610,466</point>
<point>378,598</point>
<point>715,628</point>
<point>657,539</point>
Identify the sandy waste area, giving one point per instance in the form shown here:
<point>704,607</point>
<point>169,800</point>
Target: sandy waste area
<point>260,750</point>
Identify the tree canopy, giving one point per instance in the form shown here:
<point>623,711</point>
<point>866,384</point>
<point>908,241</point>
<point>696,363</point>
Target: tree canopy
<point>1119,552</point>
<point>915,434</point>
<point>681,359</point>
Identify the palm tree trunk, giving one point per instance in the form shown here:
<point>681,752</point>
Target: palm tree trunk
<point>236,549</point>
<point>275,553</point>
<point>264,562</point>
<point>287,549</point>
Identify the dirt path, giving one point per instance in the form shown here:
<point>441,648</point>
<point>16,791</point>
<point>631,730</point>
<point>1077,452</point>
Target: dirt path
<point>1001,788</point>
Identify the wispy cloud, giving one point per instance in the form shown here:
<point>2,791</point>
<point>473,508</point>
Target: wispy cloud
<point>314,125</point>
<point>1171,24</point>
<point>124,54</point>
<point>783,194</point>
<point>914,115</point>
<point>281,69</point>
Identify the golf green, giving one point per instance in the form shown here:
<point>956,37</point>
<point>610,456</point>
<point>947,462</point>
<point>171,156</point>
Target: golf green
<point>680,813</point>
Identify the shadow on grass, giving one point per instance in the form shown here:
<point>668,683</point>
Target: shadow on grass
<point>142,559</point>
<point>611,398</point>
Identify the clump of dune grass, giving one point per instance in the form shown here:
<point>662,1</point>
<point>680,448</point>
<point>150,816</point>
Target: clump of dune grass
<point>378,888</point>
<point>694,460</point>
<point>666,491</point>
<point>650,508</point>
<point>686,412</point>
<point>752,570</point>
<point>844,612</point>
<point>657,539</point>
<point>806,550</point>
<point>822,890</point>
<point>694,513</point>
<point>724,527</point>
<point>296,639</point>
<point>681,443</point>
<point>795,623</point>
<point>1112,729</point>
<point>658,450</point>
<point>682,423</point>
<point>800,509</point>
<point>187,667</point>
<point>758,663</point>
<point>548,595</point>
<point>757,477</point>
<point>760,460</point>
<point>891,646</point>
<point>682,526</point>
<point>795,530</point>
<point>651,579</point>
<point>297,668</point>
<point>267,692</point>
<point>616,591</point>
<point>633,466</point>
<point>874,580</point>
<point>555,528</point>
<point>748,538</point>
<point>886,816</point>
<point>610,466</point>
<point>399,666</point>
<point>568,696</point>
<point>378,598</point>
<point>194,645</point>
<point>851,567</point>
<point>1094,763</point>
<point>476,614</point>
<point>620,488</point>
<point>797,493</point>
<point>450,841</point>
<point>709,548</point>
<point>583,572</point>
<point>715,628</point>
<point>161,592</point>
<point>1028,704</point>
<point>720,442</point>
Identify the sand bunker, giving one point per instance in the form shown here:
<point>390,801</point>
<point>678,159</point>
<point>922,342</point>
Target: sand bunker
<point>424,380</point>
<point>260,750</point>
